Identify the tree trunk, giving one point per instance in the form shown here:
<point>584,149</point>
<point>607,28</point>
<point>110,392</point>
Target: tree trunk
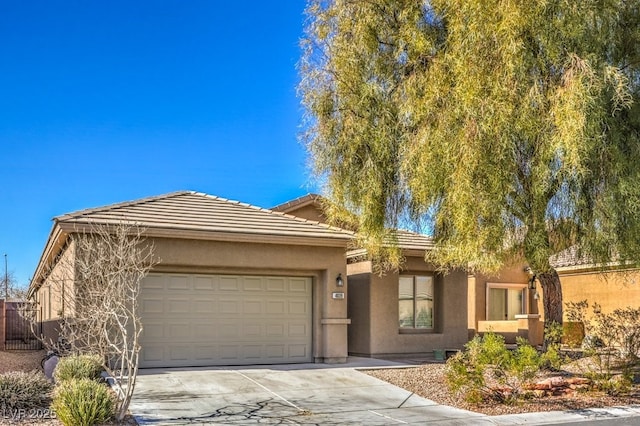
<point>552,302</point>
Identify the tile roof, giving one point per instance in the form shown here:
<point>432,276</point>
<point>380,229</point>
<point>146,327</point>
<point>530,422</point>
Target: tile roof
<point>198,212</point>
<point>414,241</point>
<point>569,257</point>
<point>411,243</point>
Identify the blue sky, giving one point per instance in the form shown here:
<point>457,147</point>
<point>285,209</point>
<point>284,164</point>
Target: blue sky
<point>108,101</point>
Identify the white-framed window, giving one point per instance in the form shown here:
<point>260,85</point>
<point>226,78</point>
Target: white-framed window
<point>415,302</point>
<point>505,301</point>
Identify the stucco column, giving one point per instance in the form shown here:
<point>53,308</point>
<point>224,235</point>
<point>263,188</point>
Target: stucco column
<point>529,328</point>
<point>334,319</point>
<point>472,300</point>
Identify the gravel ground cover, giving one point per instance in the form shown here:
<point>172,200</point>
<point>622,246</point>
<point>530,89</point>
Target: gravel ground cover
<point>428,381</point>
<point>20,360</point>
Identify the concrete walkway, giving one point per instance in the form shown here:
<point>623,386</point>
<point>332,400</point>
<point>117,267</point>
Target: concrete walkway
<point>308,394</point>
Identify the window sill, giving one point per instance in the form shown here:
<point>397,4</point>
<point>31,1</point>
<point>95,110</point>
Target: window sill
<point>416,331</point>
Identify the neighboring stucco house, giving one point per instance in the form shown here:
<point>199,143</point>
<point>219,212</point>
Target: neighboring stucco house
<point>504,304</point>
<point>612,287</point>
<point>235,284</point>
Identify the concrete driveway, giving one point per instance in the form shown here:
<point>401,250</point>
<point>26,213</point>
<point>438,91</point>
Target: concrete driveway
<point>305,394</point>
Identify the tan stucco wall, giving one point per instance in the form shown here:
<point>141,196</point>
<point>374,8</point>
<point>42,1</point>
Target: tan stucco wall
<point>323,264</point>
<point>612,290</point>
<point>310,212</point>
<point>54,297</point>
<point>376,332</point>
<point>477,292</point>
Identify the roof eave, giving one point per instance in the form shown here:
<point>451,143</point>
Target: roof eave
<point>338,240</point>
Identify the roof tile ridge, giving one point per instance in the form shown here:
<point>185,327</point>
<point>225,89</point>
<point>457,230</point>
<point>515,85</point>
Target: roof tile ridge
<point>79,213</point>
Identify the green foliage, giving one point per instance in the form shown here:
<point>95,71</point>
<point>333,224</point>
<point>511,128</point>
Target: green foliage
<point>24,391</point>
<point>512,129</point>
<point>496,120</point>
<point>79,367</point>
<point>553,333</point>
<point>83,402</point>
<point>487,369</point>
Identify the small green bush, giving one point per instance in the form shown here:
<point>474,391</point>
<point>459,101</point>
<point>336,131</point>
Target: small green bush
<point>83,402</point>
<point>24,391</point>
<point>79,367</point>
<point>486,369</point>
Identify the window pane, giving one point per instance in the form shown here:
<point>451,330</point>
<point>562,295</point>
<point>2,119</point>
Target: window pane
<point>514,302</point>
<point>424,302</point>
<point>405,302</point>
<point>497,304</point>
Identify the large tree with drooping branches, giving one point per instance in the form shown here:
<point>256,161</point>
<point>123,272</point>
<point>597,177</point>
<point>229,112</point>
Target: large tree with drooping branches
<point>511,127</point>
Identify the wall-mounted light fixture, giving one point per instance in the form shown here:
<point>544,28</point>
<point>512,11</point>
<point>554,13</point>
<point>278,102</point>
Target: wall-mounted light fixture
<point>532,278</point>
<point>339,281</point>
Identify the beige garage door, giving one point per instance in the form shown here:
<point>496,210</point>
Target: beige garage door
<point>192,320</point>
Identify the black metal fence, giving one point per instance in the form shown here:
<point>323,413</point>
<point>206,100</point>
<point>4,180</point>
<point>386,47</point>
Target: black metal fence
<point>22,325</point>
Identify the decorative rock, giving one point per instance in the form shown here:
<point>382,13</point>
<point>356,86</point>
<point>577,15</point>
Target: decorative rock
<point>50,366</point>
<point>578,381</point>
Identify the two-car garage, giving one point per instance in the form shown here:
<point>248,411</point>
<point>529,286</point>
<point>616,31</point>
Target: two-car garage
<point>231,283</point>
<point>196,319</point>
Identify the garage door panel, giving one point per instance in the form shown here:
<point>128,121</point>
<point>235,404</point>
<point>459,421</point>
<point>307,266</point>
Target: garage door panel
<point>276,307</point>
<point>204,332</point>
<point>229,306</point>
<point>229,284</point>
<point>177,306</point>
<point>196,319</point>
<point>298,351</point>
<point>153,306</point>
<point>298,330</point>
<point>252,284</point>
<point>229,331</point>
<point>229,353</point>
<point>300,307</point>
<point>204,283</point>
<point>299,285</point>
<point>252,307</point>
<point>276,284</point>
<point>178,282</point>
<point>154,331</point>
<point>253,331</point>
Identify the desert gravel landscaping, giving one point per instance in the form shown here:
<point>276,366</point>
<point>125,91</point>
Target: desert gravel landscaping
<point>428,381</point>
<point>20,360</point>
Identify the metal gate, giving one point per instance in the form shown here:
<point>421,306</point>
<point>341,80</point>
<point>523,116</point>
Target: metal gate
<point>22,325</point>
